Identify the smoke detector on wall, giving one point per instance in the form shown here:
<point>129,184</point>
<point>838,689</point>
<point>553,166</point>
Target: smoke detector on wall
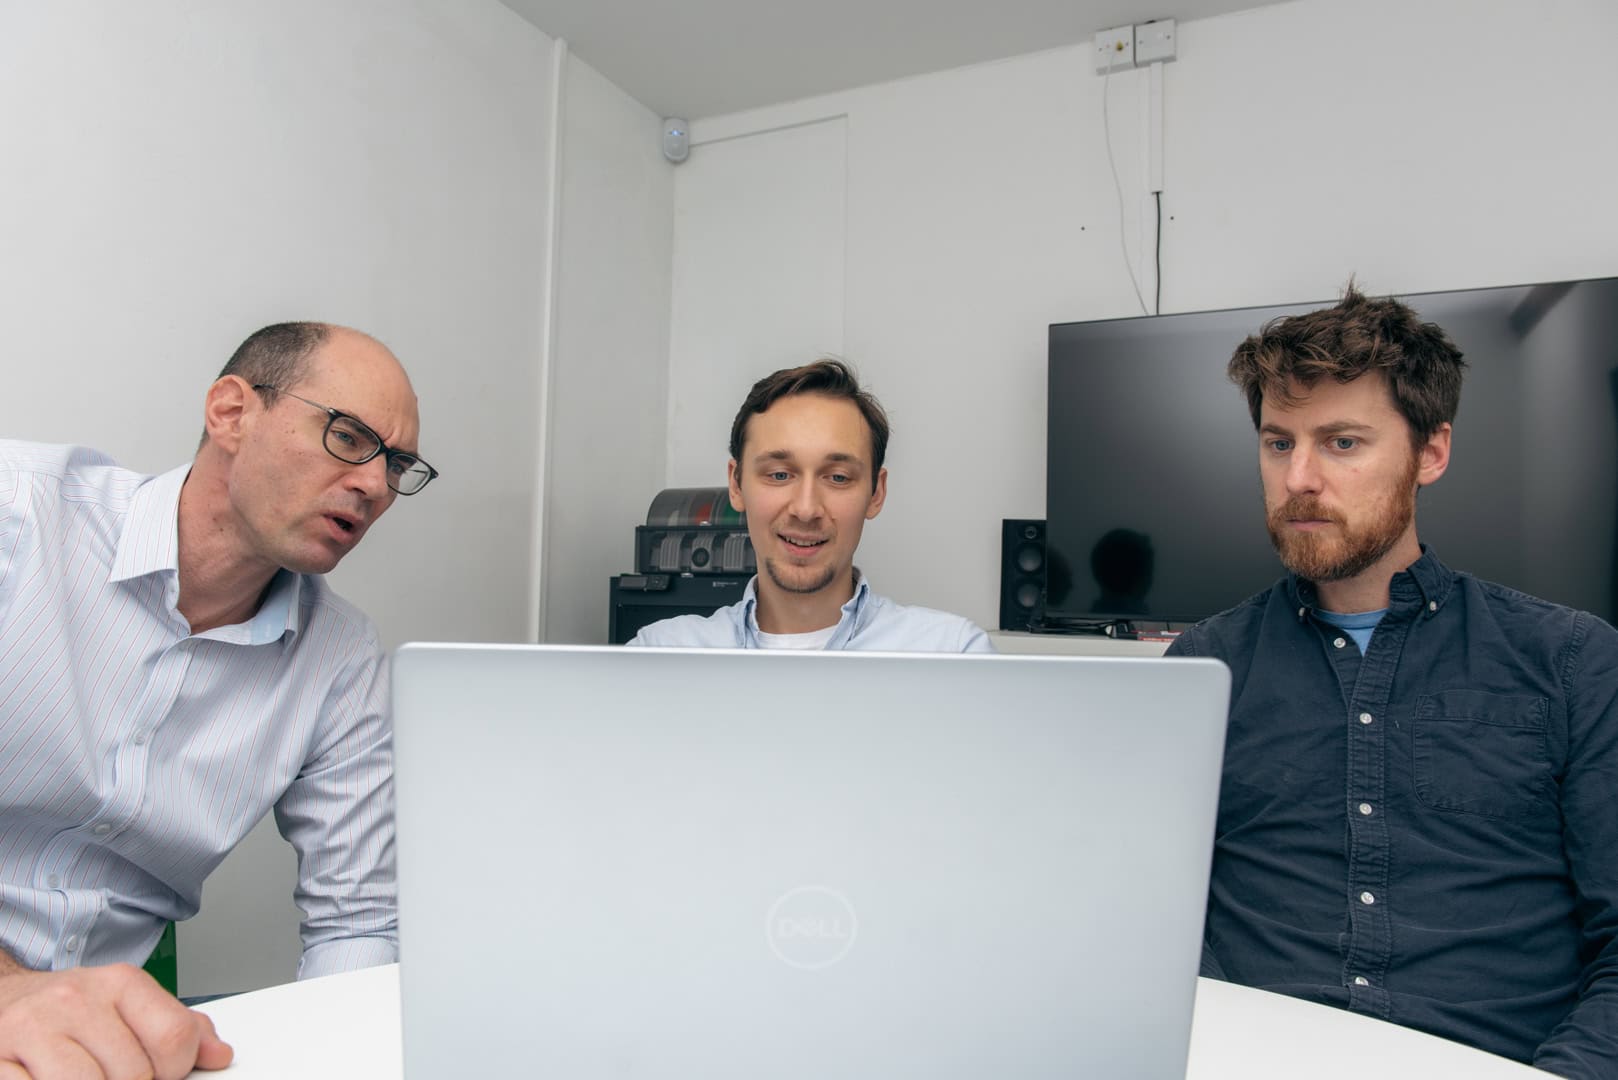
<point>676,140</point>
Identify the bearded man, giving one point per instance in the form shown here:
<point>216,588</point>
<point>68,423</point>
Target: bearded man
<point>1419,813</point>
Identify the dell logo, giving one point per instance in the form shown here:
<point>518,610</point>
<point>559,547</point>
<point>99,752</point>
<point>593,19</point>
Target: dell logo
<point>811,927</point>
<point>822,929</point>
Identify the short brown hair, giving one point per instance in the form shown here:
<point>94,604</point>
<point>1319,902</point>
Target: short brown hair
<point>830,378</point>
<point>1343,342</point>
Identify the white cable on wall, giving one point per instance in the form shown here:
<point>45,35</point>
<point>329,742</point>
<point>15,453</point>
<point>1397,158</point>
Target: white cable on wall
<point>1118,187</point>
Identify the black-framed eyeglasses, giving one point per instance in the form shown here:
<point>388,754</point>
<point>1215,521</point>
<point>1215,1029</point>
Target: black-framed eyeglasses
<point>346,438</point>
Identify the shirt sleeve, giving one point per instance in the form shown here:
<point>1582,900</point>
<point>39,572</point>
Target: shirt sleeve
<point>1210,967</point>
<point>975,640</point>
<point>12,510</point>
<point>1585,1044</point>
<point>338,815</point>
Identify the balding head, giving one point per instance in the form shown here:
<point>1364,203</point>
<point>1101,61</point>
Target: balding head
<point>277,355</point>
<point>281,355</point>
<point>272,487</point>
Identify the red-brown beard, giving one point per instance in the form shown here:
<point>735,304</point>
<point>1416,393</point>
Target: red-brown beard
<point>1344,552</point>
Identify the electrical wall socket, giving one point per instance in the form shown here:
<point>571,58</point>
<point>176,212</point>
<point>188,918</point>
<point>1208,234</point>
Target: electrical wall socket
<point>1115,49</point>
<point>1154,42</point>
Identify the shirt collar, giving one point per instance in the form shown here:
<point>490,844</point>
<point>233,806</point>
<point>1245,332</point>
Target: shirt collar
<point>849,622</point>
<point>279,614</point>
<point>150,541</point>
<point>150,544</point>
<point>1425,583</point>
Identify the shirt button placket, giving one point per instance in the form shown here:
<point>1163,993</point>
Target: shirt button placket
<point>1365,915</point>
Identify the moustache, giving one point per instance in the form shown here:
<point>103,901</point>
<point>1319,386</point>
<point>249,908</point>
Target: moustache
<point>1304,508</point>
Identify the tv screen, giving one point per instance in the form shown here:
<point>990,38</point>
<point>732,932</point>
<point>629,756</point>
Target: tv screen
<point>1153,502</point>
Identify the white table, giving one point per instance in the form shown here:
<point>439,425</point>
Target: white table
<point>1022,643</point>
<point>346,1027</point>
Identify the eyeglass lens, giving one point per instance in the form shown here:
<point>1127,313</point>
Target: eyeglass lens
<point>349,440</point>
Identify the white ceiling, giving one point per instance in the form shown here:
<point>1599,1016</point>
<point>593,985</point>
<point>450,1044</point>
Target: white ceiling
<point>701,58</point>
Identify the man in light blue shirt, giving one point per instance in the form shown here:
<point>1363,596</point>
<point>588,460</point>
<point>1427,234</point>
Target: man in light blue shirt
<point>172,667</point>
<point>806,453</point>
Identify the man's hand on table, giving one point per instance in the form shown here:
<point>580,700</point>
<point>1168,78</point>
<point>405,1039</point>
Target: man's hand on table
<point>99,1023</point>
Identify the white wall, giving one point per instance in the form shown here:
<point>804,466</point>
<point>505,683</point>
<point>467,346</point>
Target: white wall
<point>768,208</point>
<point>1406,142</point>
<point>179,173</point>
<point>609,370</point>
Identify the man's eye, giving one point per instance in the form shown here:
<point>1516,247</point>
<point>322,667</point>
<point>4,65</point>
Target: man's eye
<point>342,436</point>
<point>1279,446</point>
<point>838,478</point>
<point>779,475</point>
<point>1344,442</point>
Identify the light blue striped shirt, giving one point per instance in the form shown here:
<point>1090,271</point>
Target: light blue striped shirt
<point>868,623</point>
<point>134,755</point>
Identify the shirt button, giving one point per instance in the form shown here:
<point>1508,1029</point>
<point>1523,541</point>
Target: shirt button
<point>1365,808</point>
<point>1361,980</point>
<point>1432,605</point>
<point>1338,643</point>
<point>72,943</point>
<point>54,881</point>
<point>1365,718</point>
<point>1367,898</point>
<point>140,739</point>
<point>1302,612</point>
<point>102,829</point>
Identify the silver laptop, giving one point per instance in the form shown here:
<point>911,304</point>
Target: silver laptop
<point>677,863</point>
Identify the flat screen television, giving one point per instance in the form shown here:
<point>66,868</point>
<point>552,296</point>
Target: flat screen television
<point>1153,503</point>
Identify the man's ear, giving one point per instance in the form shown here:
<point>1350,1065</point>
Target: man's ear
<point>879,495</point>
<point>1433,457</point>
<point>225,409</point>
<point>734,480</point>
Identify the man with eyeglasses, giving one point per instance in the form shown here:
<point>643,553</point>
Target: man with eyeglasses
<point>172,667</point>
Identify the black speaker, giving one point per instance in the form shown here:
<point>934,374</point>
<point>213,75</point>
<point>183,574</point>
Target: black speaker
<point>1022,573</point>
<point>642,599</point>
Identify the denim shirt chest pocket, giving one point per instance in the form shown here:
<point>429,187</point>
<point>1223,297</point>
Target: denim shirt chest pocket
<point>1481,753</point>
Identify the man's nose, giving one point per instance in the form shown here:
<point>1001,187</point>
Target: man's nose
<point>805,503</point>
<point>1303,473</point>
<point>371,478</point>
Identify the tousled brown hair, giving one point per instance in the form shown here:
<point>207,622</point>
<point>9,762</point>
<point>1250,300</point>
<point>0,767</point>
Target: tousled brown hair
<point>828,377</point>
<point>1356,336</point>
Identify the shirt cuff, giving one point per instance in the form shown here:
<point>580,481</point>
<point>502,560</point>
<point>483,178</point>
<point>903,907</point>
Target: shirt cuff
<point>347,954</point>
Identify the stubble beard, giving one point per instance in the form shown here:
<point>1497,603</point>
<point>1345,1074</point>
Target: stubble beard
<point>810,585</point>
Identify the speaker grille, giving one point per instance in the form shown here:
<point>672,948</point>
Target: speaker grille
<point>1022,573</point>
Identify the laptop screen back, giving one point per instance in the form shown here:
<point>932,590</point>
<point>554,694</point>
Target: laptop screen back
<point>669,863</point>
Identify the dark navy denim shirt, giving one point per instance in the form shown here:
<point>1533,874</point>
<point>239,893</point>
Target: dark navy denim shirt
<point>1427,833</point>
